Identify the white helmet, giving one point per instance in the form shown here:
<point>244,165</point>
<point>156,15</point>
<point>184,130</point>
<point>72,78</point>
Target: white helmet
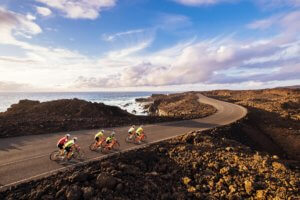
<point>67,135</point>
<point>102,131</point>
<point>75,138</point>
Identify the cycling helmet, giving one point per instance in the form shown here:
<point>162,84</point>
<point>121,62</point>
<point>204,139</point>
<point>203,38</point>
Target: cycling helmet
<point>68,135</point>
<point>75,138</point>
<point>102,131</point>
<point>133,126</point>
<point>112,134</point>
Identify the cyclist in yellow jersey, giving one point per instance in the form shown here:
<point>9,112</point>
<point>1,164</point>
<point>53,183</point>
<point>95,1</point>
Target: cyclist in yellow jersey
<point>139,131</point>
<point>110,138</point>
<point>131,131</point>
<point>99,136</point>
<point>69,146</point>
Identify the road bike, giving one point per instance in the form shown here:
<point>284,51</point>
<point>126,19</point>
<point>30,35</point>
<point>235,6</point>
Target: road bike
<point>96,145</point>
<point>136,139</point>
<point>78,154</point>
<point>113,145</point>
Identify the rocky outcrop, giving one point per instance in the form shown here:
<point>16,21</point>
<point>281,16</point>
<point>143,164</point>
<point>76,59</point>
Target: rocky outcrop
<point>275,113</point>
<point>32,117</point>
<point>181,106</point>
<point>197,165</point>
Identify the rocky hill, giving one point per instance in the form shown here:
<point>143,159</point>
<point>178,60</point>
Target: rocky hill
<point>274,114</point>
<point>181,105</point>
<point>33,117</point>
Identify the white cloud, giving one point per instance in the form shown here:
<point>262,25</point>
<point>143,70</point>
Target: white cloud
<point>208,61</point>
<point>13,86</point>
<point>43,11</point>
<point>13,23</point>
<point>30,17</point>
<point>284,21</point>
<point>79,9</point>
<point>264,23</point>
<point>193,63</point>
<point>110,38</point>
<point>277,3</point>
<point>201,2</point>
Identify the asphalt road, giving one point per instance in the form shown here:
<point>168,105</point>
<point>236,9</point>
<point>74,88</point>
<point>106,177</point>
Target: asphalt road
<point>27,157</point>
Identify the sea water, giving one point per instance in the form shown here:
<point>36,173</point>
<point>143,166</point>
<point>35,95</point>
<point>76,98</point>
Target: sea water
<point>124,100</point>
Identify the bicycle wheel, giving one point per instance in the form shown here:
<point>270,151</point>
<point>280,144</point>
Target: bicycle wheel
<point>104,150</point>
<point>116,146</point>
<point>79,155</point>
<point>144,139</point>
<point>54,156</point>
<point>93,147</point>
<point>127,139</point>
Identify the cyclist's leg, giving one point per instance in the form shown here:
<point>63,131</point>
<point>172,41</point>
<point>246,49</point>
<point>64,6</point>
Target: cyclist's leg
<point>68,150</point>
<point>61,149</point>
<point>97,141</point>
<point>131,135</point>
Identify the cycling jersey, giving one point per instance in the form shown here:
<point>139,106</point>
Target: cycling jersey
<point>69,144</point>
<point>131,130</point>
<point>100,134</point>
<point>139,131</point>
<point>62,141</point>
<point>109,139</point>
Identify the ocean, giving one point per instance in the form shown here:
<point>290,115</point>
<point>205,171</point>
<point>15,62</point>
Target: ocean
<point>124,100</point>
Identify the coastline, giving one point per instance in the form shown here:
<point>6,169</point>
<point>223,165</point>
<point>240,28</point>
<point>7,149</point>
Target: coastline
<point>33,117</point>
<point>110,98</point>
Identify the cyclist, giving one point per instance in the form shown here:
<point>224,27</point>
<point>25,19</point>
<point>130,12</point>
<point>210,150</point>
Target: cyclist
<point>61,143</point>
<point>98,137</point>
<point>69,146</point>
<point>110,138</point>
<point>131,131</point>
<point>139,131</point>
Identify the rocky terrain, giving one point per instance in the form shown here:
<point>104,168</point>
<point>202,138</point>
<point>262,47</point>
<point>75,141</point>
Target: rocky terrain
<point>32,117</point>
<point>273,114</point>
<point>197,165</point>
<point>182,105</point>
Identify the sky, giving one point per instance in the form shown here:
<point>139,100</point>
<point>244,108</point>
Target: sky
<point>148,45</point>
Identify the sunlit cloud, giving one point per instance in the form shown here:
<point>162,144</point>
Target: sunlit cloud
<point>115,36</point>
<point>80,9</point>
<point>200,2</point>
<point>43,11</point>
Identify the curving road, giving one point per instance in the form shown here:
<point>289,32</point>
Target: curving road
<point>27,157</point>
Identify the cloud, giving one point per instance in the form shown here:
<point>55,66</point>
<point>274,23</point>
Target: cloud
<point>284,21</point>
<point>43,11</point>
<point>11,22</point>
<point>113,37</point>
<point>220,60</point>
<point>79,9</point>
<point>269,4</point>
<point>264,23</point>
<point>30,17</point>
<point>171,22</point>
<point>13,86</point>
<point>200,2</point>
